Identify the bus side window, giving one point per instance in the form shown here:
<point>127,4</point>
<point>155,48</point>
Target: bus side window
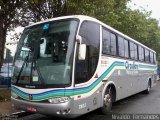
<point>126,49</point>
<point>90,33</point>
<point>113,44</point>
<point>109,42</point>
<point>151,57</point>
<point>106,42</point>
<point>147,55</point>
<point>121,48</point>
<point>155,61</point>
<point>141,53</point>
<point>136,51</point>
<point>133,51</point>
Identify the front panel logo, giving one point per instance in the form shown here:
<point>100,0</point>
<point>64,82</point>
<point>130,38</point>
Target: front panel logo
<point>30,97</point>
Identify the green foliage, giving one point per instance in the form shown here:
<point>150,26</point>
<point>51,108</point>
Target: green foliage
<point>104,10</point>
<point>133,23</point>
<point>140,26</point>
<point>37,10</point>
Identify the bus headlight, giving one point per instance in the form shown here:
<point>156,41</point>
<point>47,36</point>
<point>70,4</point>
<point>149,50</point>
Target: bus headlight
<point>59,100</point>
<point>14,95</point>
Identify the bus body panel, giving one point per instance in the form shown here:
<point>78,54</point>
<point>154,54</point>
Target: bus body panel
<point>126,75</point>
<point>46,108</point>
<point>125,85</point>
<point>129,81</point>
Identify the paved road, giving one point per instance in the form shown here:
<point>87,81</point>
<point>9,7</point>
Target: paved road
<point>137,104</point>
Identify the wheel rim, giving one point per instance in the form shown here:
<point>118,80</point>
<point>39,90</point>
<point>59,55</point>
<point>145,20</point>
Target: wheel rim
<point>149,87</point>
<point>107,100</point>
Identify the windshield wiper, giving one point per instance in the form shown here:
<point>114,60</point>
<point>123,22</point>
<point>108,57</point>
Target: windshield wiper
<point>33,67</point>
<point>25,62</point>
<point>35,56</point>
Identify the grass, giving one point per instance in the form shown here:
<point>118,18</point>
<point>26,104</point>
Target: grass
<point>5,94</point>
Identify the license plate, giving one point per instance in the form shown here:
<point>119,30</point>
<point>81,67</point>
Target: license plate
<point>30,108</point>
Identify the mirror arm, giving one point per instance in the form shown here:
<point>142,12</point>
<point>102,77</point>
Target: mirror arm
<point>79,39</point>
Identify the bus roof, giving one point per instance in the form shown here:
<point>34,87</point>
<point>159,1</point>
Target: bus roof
<point>83,17</point>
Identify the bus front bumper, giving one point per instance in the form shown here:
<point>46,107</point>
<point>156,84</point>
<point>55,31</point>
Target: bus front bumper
<point>60,110</point>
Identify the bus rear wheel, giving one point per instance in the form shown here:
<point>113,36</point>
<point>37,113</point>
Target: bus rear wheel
<point>107,101</point>
<point>148,87</point>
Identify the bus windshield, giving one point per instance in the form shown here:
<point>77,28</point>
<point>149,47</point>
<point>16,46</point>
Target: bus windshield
<point>45,54</point>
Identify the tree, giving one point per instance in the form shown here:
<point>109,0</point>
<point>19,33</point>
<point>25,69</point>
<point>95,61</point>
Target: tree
<point>8,9</point>
<point>153,39</point>
<point>140,26</point>
<point>37,10</point>
<point>104,10</point>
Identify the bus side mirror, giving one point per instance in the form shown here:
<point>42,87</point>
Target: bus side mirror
<point>82,48</point>
<point>82,52</point>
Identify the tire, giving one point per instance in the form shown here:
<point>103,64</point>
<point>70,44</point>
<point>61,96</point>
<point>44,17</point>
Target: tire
<point>107,101</point>
<point>148,88</point>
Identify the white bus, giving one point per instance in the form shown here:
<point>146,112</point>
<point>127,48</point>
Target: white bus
<point>76,64</point>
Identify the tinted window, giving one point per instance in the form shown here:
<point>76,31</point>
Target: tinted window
<point>90,33</point>
<point>141,53</point>
<point>85,69</point>
<point>135,52</point>
<point>147,55</point>
<point>106,41</point>
<point>121,49</point>
<point>47,55</point>
<point>132,50</point>
<point>126,48</point>
<point>113,44</point>
<point>151,57</point>
<point>109,43</point>
<point>155,58</point>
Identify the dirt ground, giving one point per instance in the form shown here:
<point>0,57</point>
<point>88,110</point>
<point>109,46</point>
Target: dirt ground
<point>5,102</point>
<point>6,108</point>
<point>5,94</point>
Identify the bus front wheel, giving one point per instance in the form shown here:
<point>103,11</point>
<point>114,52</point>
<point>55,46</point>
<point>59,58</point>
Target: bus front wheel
<point>107,101</point>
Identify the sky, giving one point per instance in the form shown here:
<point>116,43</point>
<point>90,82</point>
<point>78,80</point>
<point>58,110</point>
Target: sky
<point>149,5</point>
<point>8,40</point>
